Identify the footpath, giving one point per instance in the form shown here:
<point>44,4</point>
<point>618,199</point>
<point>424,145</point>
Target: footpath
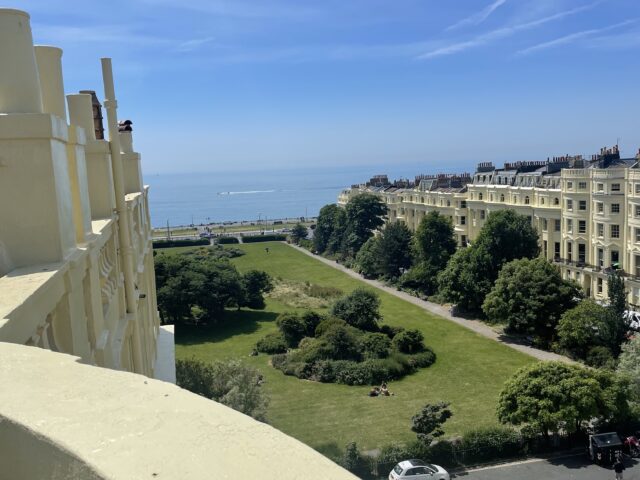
<point>475,325</point>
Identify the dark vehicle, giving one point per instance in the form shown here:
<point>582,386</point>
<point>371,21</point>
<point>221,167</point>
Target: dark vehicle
<point>605,448</point>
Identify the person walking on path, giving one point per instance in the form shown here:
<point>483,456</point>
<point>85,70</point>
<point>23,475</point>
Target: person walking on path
<point>618,467</point>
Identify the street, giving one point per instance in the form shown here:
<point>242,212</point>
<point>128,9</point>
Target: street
<point>575,467</point>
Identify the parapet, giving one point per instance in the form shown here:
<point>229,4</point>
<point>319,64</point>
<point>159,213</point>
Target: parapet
<point>72,420</point>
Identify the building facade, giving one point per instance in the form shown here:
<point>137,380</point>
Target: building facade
<point>586,210</point>
<point>76,258</point>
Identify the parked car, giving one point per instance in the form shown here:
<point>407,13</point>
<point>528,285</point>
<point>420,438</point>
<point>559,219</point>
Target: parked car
<point>605,448</point>
<point>416,469</point>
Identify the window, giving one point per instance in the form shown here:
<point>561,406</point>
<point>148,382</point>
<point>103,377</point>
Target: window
<point>569,204</point>
<point>541,200</point>
<point>582,205</point>
<point>582,185</point>
<point>615,231</point>
<point>502,197</point>
<point>515,199</point>
<point>569,225</point>
<point>615,208</point>
<point>600,227</point>
<point>526,200</point>
<point>582,226</point>
<point>463,240</point>
<point>448,203</point>
<point>637,211</point>
<point>556,201</point>
<point>615,187</point>
<point>600,257</point>
<point>463,220</point>
<point>582,252</point>
<point>569,251</point>
<point>599,286</point>
<point>600,187</point>
<point>637,235</point>
<point>599,207</point>
<point>544,224</point>
<point>482,214</point>
<point>637,188</point>
<point>545,247</point>
<point>615,256</point>
<point>556,227</point>
<point>556,250</point>
<point>480,196</point>
<point>637,259</point>
<point>570,185</point>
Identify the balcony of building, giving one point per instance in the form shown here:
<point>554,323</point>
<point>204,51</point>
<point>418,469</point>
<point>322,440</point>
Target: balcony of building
<point>63,419</point>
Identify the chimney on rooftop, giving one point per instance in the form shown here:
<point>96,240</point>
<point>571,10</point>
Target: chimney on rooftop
<point>97,114</point>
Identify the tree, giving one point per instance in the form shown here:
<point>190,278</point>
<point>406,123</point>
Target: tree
<point>553,396</point>
<point>434,241</point>
<point>298,232</point>
<point>464,281</point>
<point>583,327</point>
<point>409,341</point>
<point>433,246</point>
<point>230,383</point>
<point>364,214</point>
<point>255,284</point>
<point>629,366</point>
<point>360,309</point>
<point>619,324</point>
<point>337,238</point>
<point>427,423</point>
<point>368,259</point>
<point>394,249</point>
<point>470,273</point>
<point>529,296</point>
<point>325,227</point>
<point>340,343</point>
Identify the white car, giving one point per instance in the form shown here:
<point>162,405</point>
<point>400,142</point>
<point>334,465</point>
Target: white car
<point>415,469</point>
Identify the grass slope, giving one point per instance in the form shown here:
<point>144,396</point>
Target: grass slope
<point>469,370</point>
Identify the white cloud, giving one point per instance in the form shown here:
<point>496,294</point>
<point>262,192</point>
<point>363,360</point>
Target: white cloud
<point>499,33</point>
<point>193,44</point>
<point>479,17</point>
<point>572,37</point>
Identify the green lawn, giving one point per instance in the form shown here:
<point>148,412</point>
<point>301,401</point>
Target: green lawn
<point>469,370</point>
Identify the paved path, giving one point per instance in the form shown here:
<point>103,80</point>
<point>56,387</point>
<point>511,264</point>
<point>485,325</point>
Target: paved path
<point>475,325</point>
<point>574,467</point>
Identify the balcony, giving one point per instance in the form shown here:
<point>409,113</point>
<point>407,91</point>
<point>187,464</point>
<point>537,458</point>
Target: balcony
<point>64,419</point>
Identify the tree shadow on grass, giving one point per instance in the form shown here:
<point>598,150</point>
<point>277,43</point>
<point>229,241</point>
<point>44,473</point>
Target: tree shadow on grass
<point>241,322</point>
<point>330,450</point>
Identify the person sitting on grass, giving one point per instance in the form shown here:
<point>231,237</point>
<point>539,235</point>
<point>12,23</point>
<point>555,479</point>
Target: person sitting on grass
<point>374,392</point>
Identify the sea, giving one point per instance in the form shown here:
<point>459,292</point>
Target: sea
<point>202,198</point>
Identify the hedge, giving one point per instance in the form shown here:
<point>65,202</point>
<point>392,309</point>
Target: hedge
<point>272,343</point>
<point>264,238</point>
<point>186,242</point>
<point>227,240</point>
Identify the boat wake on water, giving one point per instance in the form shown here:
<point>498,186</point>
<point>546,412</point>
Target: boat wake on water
<point>248,192</point>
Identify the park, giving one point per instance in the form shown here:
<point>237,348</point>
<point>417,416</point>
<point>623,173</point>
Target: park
<point>469,372</point>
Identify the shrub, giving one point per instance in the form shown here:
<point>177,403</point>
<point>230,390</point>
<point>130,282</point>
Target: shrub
<point>264,238</point>
<point>272,343</point>
<point>230,383</point>
<point>186,242</point>
<point>391,331</point>
<point>326,324</point>
<point>292,327</point>
<point>409,341</point>
<point>319,291</point>
<point>360,309</point>
<point>423,359</point>
<point>490,443</point>
<point>227,240</point>
<point>600,357</point>
<point>351,460</point>
<point>340,343</point>
<point>375,345</point>
<point>311,321</point>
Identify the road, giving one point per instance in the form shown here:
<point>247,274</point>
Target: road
<point>574,467</point>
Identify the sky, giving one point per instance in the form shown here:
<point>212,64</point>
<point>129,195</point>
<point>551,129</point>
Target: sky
<point>221,85</point>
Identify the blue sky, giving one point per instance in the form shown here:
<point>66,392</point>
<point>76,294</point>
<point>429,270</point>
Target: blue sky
<point>253,84</point>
